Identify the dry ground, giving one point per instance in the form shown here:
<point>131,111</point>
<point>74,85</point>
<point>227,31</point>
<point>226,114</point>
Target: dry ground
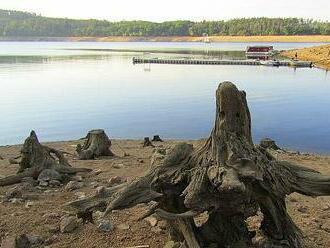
<point>319,55</point>
<point>311,214</point>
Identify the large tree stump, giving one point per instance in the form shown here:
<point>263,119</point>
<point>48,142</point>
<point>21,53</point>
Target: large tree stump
<point>97,144</point>
<point>228,177</point>
<point>36,158</point>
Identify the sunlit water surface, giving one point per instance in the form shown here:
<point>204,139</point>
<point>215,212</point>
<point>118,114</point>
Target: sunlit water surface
<point>62,92</point>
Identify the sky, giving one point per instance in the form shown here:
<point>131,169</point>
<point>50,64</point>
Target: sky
<point>163,10</point>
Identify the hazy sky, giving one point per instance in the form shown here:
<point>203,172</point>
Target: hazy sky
<point>159,10</point>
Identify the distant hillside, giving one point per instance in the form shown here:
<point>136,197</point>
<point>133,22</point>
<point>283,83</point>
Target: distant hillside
<point>22,24</point>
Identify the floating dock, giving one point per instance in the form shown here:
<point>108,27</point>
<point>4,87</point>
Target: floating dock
<point>185,61</point>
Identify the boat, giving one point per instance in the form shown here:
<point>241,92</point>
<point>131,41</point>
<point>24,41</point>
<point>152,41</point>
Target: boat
<point>270,62</point>
<point>298,63</point>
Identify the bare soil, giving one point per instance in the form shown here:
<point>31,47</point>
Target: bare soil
<point>319,55</point>
<point>42,218</point>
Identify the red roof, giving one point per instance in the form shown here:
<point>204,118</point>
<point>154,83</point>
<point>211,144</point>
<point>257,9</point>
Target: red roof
<point>259,48</point>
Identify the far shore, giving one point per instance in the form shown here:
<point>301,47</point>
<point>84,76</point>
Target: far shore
<point>319,55</point>
<point>272,38</point>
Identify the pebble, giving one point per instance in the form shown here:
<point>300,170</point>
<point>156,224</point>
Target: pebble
<point>29,204</point>
<point>97,172</point>
<point>73,185</point>
<point>16,200</point>
<point>116,180</point>
<point>105,226</point>
<point>118,166</point>
<point>68,224</point>
<point>151,220</point>
<point>302,209</point>
<point>123,226</point>
<point>43,183</point>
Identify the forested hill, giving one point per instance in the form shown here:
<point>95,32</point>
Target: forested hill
<point>16,24</point>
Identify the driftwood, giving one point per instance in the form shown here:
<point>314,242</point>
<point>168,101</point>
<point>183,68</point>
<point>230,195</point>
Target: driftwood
<point>36,158</point>
<point>157,138</point>
<point>97,144</point>
<point>228,177</point>
<point>147,142</point>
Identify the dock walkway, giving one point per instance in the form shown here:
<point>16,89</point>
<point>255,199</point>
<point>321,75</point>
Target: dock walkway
<point>215,62</point>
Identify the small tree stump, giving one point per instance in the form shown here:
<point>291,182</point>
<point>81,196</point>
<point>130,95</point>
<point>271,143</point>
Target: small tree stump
<point>147,142</point>
<point>156,138</point>
<point>227,177</point>
<point>268,143</point>
<point>36,158</point>
<point>97,144</point>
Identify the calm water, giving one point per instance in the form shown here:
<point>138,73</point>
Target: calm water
<point>63,93</point>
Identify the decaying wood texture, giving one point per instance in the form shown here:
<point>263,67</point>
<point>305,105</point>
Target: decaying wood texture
<point>36,158</point>
<point>228,177</point>
<point>147,142</point>
<point>157,138</point>
<point>97,144</point>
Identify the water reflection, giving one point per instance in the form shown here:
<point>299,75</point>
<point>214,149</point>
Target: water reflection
<point>63,97</point>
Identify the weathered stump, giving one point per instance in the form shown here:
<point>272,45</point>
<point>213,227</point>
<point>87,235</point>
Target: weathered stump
<point>97,144</point>
<point>36,158</point>
<point>268,143</point>
<point>157,138</point>
<point>147,142</point>
<point>228,177</point>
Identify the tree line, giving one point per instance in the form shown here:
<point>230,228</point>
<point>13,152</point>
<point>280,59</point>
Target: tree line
<point>17,23</point>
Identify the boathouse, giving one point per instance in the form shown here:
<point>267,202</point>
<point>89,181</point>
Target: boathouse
<point>259,52</point>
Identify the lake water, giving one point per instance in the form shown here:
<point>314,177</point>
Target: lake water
<point>62,90</point>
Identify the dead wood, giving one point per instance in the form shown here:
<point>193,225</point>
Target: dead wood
<point>228,177</point>
<point>36,157</point>
<point>147,142</point>
<point>97,144</point>
<point>157,138</point>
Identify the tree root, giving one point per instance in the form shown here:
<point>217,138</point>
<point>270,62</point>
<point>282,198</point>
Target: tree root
<point>228,177</point>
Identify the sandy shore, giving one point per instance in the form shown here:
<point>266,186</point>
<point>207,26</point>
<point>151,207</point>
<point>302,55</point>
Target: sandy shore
<point>42,216</point>
<point>319,55</point>
<point>274,38</point>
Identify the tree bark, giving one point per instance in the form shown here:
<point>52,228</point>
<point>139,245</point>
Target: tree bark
<point>228,177</point>
<point>97,144</point>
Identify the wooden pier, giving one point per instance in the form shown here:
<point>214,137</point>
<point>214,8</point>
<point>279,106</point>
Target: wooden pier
<point>185,61</point>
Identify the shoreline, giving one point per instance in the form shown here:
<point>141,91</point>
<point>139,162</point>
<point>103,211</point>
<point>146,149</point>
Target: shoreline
<point>41,215</point>
<point>318,55</point>
<point>284,150</point>
<point>271,38</point>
